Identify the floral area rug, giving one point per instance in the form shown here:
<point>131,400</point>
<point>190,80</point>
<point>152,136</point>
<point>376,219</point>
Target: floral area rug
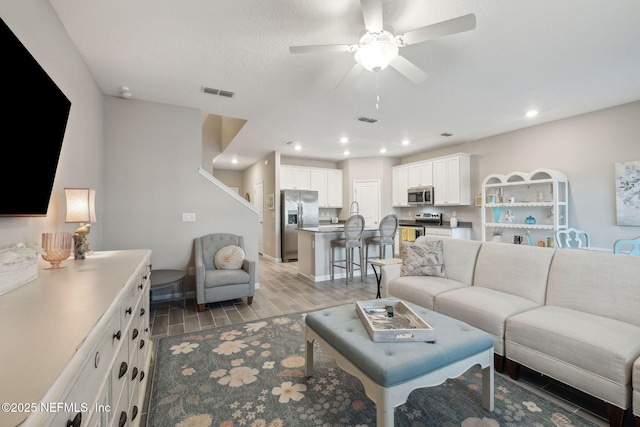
<point>252,374</point>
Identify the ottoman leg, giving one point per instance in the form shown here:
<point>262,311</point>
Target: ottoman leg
<point>487,388</point>
<point>308,358</point>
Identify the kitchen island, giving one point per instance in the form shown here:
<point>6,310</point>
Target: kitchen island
<point>314,250</point>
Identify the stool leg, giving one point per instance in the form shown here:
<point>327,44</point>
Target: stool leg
<point>363,266</point>
<point>347,253</point>
<point>331,261</point>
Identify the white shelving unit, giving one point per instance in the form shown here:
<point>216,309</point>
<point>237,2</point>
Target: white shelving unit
<point>510,202</point>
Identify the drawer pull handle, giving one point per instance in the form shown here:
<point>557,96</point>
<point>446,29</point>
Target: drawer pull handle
<point>77,420</point>
<point>128,310</point>
<point>140,286</point>
<point>96,359</point>
<point>134,374</point>
<point>134,412</point>
<point>123,369</point>
<point>142,311</point>
<point>141,343</point>
<point>134,335</point>
<point>123,419</point>
<point>118,335</point>
<point>145,277</point>
<point>141,375</point>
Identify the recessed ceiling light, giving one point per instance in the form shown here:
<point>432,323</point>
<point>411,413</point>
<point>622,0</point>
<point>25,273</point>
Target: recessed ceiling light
<point>405,142</point>
<point>531,113</point>
<point>298,147</point>
<point>383,150</point>
<point>346,153</point>
<point>234,160</point>
<point>344,139</point>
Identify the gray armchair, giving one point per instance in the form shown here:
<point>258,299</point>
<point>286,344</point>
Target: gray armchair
<point>212,284</point>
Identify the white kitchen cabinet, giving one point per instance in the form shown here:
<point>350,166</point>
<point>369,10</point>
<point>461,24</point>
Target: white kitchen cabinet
<point>328,184</point>
<point>400,184</point>
<point>421,174</point>
<point>82,328</point>
<point>295,178</point>
<point>530,205</point>
<point>452,180</point>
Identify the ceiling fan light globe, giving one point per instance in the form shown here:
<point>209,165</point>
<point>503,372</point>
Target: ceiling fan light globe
<point>377,55</point>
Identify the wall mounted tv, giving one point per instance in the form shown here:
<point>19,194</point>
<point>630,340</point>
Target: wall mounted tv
<point>33,123</point>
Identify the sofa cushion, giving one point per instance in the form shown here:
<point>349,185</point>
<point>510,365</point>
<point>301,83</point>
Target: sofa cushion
<point>635,375</point>
<point>515,269</point>
<point>484,308</point>
<point>421,290</point>
<point>229,258</point>
<point>213,278</point>
<point>586,343</point>
<point>601,284</point>
<point>422,259</point>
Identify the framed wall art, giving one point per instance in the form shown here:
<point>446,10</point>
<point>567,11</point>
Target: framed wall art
<point>628,193</point>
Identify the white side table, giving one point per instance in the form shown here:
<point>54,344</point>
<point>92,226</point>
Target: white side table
<point>380,263</point>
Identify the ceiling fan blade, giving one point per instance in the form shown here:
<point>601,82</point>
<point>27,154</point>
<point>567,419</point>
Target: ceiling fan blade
<point>444,28</point>
<point>351,75</point>
<point>408,69</point>
<point>321,48</point>
<point>372,13</point>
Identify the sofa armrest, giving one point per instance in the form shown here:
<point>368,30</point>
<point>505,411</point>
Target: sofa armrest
<point>387,274</point>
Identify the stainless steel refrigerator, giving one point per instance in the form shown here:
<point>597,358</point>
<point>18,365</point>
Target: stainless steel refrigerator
<point>299,209</point>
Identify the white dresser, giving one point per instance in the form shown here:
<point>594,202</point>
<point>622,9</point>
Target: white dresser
<point>76,345</point>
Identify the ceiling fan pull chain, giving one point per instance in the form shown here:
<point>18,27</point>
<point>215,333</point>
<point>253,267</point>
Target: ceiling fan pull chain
<point>377,93</point>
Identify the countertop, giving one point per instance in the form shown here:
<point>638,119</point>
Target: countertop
<point>333,228</point>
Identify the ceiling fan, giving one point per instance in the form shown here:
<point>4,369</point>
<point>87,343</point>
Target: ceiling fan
<point>378,48</point>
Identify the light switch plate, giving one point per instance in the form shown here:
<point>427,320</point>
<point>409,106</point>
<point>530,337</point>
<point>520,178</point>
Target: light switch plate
<point>188,217</point>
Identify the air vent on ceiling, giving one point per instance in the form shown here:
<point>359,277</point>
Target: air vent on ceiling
<point>219,92</point>
<point>446,134</point>
<point>288,142</point>
<point>367,120</point>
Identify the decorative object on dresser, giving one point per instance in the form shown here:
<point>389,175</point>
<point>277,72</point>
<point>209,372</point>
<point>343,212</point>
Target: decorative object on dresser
<point>18,265</point>
<point>57,248</point>
<point>81,208</point>
<point>85,343</point>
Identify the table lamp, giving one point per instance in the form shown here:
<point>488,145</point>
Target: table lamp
<point>81,209</point>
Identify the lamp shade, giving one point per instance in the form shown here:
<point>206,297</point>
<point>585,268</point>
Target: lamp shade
<point>376,55</point>
<point>81,205</point>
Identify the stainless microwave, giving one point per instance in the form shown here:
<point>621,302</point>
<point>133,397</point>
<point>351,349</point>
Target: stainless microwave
<point>420,196</point>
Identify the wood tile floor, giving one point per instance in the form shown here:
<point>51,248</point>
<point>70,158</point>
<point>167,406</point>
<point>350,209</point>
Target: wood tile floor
<point>282,291</point>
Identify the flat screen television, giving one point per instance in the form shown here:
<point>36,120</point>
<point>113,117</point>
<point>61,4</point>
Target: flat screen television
<point>33,124</point>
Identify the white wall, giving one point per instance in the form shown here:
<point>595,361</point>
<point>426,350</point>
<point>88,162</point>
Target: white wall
<point>37,26</point>
<point>584,147</point>
<point>152,156</point>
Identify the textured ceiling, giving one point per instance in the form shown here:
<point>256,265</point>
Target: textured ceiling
<point>562,58</point>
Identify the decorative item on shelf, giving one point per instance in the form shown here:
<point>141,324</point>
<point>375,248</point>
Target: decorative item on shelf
<point>81,207</point>
<point>496,235</point>
<point>529,238</point>
<point>509,217</point>
<point>496,214</point>
<point>541,243</point>
<point>500,196</point>
<point>517,239</point>
<point>511,200</point>
<point>454,221</point>
<point>18,265</point>
<point>530,220</point>
<point>57,248</point>
<point>550,242</point>
<point>492,198</point>
<point>550,216</point>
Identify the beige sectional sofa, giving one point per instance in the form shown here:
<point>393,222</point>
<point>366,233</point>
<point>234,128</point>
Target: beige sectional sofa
<point>573,315</point>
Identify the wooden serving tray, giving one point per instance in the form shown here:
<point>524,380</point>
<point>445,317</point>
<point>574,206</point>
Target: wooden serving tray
<point>405,325</point>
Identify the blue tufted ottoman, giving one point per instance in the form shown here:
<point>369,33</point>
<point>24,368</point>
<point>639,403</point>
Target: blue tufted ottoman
<point>391,371</point>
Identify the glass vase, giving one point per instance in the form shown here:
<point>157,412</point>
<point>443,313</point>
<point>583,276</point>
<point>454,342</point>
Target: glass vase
<point>57,247</point>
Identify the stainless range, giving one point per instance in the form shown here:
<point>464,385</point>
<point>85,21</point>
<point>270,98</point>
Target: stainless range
<point>411,230</point>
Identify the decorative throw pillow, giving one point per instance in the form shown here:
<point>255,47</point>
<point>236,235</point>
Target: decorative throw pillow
<point>229,258</point>
<point>422,259</point>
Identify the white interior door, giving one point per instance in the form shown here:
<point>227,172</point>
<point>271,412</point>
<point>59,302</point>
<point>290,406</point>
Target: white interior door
<point>367,194</point>
<point>258,201</point>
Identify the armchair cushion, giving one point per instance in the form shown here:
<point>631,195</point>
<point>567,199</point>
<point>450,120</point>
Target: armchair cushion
<point>222,277</point>
<point>229,258</point>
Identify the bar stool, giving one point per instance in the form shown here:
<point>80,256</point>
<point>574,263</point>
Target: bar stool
<point>388,229</point>
<point>353,229</point>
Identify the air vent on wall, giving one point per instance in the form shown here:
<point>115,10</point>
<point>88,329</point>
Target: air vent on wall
<point>219,92</point>
<point>367,120</point>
